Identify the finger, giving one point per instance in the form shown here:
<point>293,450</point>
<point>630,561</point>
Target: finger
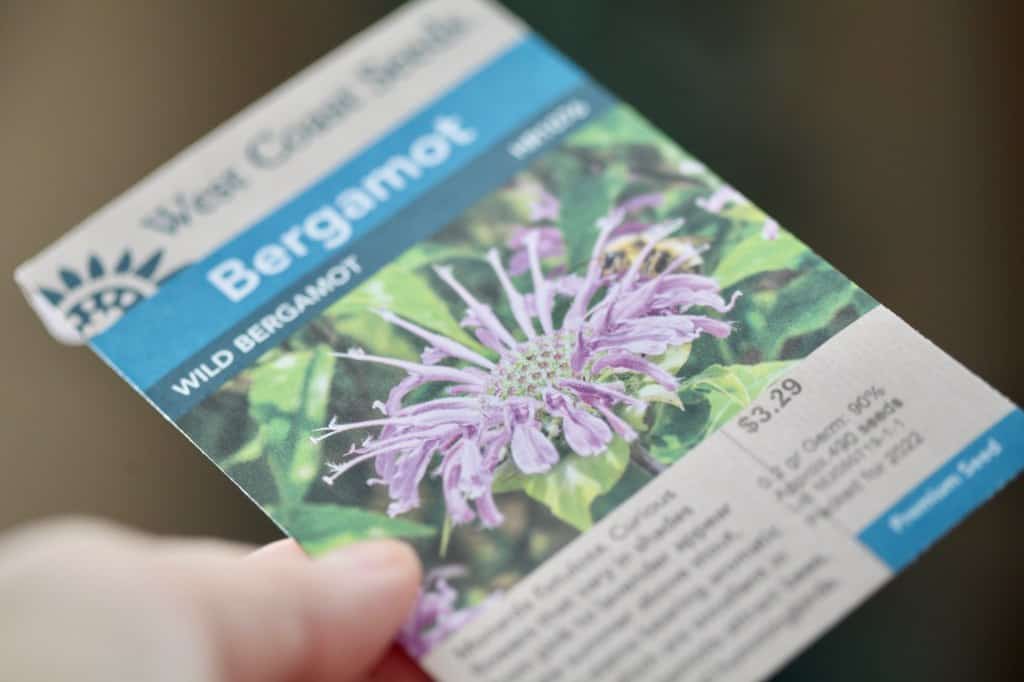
<point>284,546</point>
<point>79,601</point>
<point>278,615</point>
<point>131,605</point>
<point>395,666</point>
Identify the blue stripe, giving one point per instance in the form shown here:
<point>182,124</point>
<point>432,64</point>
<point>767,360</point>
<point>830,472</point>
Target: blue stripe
<point>943,499</point>
<point>160,334</point>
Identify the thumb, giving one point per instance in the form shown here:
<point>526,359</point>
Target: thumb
<point>88,602</point>
<point>277,615</point>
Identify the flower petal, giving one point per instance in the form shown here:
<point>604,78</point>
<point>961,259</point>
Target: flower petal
<point>546,207</point>
<point>490,515</point>
<point>541,297</point>
<point>592,280</point>
<point>624,360</point>
<point>532,452</point>
<point>482,314</point>
<point>440,343</point>
<point>428,372</point>
<point>717,328</point>
<point>618,424</point>
<point>474,480</point>
<point>515,299</point>
<point>585,433</point>
<point>403,488</point>
<point>720,198</point>
<point>454,499</point>
<point>593,393</point>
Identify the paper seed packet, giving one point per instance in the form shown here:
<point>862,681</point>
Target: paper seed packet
<point>442,286</point>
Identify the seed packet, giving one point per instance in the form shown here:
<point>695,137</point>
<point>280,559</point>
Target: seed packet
<point>442,286</point>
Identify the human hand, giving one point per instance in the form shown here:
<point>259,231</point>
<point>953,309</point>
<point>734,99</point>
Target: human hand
<point>92,603</point>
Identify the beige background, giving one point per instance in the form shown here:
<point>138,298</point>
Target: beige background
<point>93,95</point>
<point>884,134</point>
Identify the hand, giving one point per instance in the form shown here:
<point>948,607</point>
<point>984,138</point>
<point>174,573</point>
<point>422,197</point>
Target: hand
<point>91,603</point>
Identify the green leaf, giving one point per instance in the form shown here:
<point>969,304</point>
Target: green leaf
<point>675,431</point>
<point>652,392</point>
<point>755,255</point>
<point>671,361</point>
<point>810,303</point>
<point>745,212</point>
<point>379,336</point>
<point>710,399</point>
<point>585,200</point>
<point>288,399</point>
<point>408,294</point>
<point>250,452</point>
<point>729,390</point>
<point>622,125</point>
<point>432,253</point>
<point>319,528</point>
<point>572,485</point>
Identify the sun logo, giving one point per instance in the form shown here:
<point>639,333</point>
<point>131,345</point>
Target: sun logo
<point>94,300</point>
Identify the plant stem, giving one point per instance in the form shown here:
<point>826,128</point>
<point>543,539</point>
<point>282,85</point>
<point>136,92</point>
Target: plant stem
<point>639,456</point>
<point>446,536</point>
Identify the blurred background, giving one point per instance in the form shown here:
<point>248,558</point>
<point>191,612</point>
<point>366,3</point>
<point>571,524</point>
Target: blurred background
<point>884,134</point>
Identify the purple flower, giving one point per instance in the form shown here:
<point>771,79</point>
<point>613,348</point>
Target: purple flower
<point>436,615</point>
<point>549,245</point>
<point>721,199</point>
<point>546,382</point>
<point>545,208</point>
<point>690,168</point>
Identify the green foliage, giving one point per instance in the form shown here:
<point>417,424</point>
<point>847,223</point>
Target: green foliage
<point>287,400</point>
<point>585,200</point>
<point>324,527</point>
<point>755,255</point>
<point>623,126</point>
<point>710,399</point>
<point>403,289</point>
<point>674,431</point>
<point>250,452</point>
<point>810,303</point>
<point>745,213</point>
<point>729,390</point>
<point>572,485</point>
<point>583,205</point>
<point>376,334</point>
<point>671,361</point>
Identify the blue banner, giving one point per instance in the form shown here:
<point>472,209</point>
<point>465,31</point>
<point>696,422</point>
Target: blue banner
<point>316,229</point>
<point>938,503</point>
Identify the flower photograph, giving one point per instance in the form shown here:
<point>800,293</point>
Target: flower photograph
<point>499,388</point>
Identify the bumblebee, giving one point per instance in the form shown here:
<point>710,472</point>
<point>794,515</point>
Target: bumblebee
<point>622,252</point>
